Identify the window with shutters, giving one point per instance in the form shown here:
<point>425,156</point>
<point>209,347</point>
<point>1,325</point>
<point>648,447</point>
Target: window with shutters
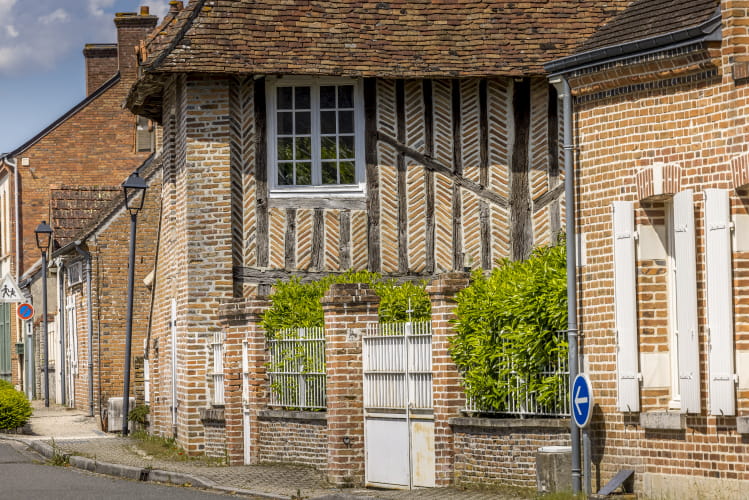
<point>315,136</point>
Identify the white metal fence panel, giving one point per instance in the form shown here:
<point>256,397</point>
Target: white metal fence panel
<point>398,366</point>
<point>524,403</point>
<point>297,368</point>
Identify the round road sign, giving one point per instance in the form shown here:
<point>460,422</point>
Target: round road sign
<point>582,400</point>
<point>25,311</point>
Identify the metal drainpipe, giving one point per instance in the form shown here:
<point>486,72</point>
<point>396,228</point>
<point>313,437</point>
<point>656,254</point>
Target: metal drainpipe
<point>90,326</point>
<point>61,332</point>
<point>572,331</point>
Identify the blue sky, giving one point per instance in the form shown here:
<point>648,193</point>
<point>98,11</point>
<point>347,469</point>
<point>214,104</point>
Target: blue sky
<point>42,73</point>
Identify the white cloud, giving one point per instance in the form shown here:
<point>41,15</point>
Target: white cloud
<point>35,36</point>
<point>96,7</point>
<point>57,16</point>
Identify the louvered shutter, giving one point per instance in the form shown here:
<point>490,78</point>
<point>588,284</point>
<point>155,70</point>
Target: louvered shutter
<point>685,289</point>
<point>625,304</point>
<point>719,301</point>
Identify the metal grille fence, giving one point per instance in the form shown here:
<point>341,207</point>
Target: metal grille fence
<point>523,403</point>
<point>398,366</point>
<point>297,368</point>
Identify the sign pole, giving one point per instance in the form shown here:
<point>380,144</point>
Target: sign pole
<point>582,410</point>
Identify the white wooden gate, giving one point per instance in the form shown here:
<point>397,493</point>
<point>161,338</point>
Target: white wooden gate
<point>398,411</point>
<point>246,402</point>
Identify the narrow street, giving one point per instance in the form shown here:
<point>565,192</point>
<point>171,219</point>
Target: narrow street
<point>24,476</point>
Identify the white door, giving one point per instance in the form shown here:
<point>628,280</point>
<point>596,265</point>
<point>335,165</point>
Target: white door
<point>398,414</point>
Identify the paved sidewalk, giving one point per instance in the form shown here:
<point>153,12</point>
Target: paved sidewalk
<point>73,433</point>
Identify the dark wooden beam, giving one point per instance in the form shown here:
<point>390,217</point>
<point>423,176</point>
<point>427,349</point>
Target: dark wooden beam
<point>373,180</point>
<point>261,178</point>
<point>400,112</point>
<point>344,242</point>
<point>435,166</point>
<point>457,208</point>
<point>521,223</point>
<point>429,174</point>
<point>318,239</point>
<point>484,210</point>
<point>555,216</point>
<point>290,239</point>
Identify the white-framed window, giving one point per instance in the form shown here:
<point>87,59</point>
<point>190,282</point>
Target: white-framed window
<point>145,139</point>
<point>315,136</point>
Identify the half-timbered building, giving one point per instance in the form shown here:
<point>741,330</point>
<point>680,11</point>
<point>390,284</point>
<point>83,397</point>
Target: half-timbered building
<point>301,139</point>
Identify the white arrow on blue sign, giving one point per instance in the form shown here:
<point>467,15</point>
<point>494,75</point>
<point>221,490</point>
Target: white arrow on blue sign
<point>582,400</point>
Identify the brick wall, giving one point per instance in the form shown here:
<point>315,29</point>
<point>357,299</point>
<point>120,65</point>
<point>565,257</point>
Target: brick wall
<point>293,437</point>
<point>502,451</point>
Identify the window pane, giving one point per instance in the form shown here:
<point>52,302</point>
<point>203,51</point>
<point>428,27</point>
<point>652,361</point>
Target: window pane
<point>327,122</point>
<point>285,123</point>
<point>301,97</point>
<point>346,96</point>
<point>303,148</point>
<point>347,172</point>
<point>345,122</point>
<point>303,174</point>
<point>285,151</point>
<point>329,172</point>
<point>327,97</point>
<point>302,122</point>
<point>283,96</point>
<point>327,148</point>
<point>285,174</point>
<point>346,147</point>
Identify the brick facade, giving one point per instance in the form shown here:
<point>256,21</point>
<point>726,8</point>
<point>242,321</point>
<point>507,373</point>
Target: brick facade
<point>679,112</point>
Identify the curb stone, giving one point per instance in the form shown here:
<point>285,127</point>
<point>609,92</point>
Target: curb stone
<point>144,474</point>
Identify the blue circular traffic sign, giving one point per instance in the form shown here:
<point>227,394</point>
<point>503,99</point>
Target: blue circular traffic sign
<point>25,311</point>
<point>582,400</point>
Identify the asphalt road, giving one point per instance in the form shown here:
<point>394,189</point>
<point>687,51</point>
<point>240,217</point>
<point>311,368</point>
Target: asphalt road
<point>23,476</point>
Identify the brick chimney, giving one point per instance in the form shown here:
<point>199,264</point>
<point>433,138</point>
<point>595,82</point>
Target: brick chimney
<point>131,29</point>
<point>101,64</point>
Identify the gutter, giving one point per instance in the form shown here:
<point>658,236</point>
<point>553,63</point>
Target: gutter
<point>709,30</point>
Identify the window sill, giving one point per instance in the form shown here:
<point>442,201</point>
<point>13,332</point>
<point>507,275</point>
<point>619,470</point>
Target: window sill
<point>352,200</point>
<point>663,420</point>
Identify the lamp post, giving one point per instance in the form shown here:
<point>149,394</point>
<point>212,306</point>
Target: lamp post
<point>43,233</point>
<point>135,194</point>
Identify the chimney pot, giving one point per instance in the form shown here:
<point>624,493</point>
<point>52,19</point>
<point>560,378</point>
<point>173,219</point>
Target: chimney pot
<point>144,10</point>
<point>175,6</point>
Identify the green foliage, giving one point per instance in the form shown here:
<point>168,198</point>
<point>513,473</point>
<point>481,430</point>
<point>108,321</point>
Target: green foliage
<point>297,305</point>
<point>139,415</point>
<point>15,409</point>
<point>4,384</point>
<point>506,330</point>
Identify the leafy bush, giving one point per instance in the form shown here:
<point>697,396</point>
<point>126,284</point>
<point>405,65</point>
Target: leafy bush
<point>139,415</point>
<point>297,305</point>
<point>15,409</point>
<point>4,384</point>
<point>506,330</point>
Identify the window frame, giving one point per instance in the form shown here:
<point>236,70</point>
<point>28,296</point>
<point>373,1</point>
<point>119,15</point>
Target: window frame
<point>357,189</point>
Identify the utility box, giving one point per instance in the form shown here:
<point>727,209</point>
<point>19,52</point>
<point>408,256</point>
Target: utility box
<point>553,466</point>
<point>114,413</point>
<point>19,348</point>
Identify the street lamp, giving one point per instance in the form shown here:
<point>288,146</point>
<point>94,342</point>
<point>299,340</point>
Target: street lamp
<point>43,233</point>
<point>135,194</point>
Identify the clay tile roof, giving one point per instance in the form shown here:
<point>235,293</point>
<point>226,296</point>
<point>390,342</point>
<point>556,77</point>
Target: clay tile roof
<point>396,38</point>
<point>646,19</point>
<point>74,207</point>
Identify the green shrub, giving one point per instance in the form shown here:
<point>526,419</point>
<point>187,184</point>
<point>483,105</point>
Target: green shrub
<point>506,330</point>
<point>297,305</point>
<point>15,409</point>
<point>4,385</point>
<point>139,415</point>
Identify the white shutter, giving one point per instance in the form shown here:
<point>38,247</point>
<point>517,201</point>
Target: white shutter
<point>719,301</point>
<point>625,304</point>
<point>685,290</point>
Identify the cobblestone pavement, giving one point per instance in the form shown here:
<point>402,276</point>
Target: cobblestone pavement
<point>74,433</point>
